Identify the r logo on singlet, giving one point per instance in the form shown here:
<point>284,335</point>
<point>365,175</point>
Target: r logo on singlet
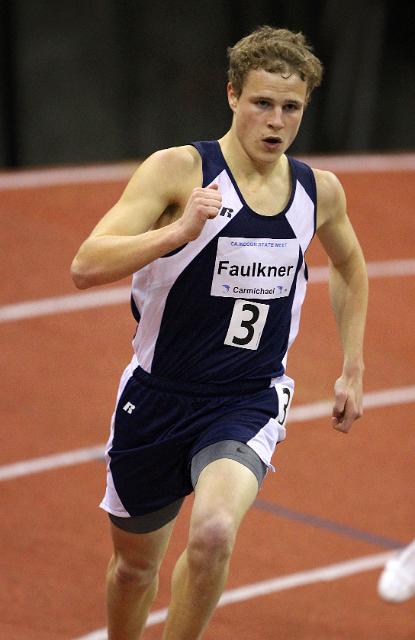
<point>226,211</point>
<point>129,407</point>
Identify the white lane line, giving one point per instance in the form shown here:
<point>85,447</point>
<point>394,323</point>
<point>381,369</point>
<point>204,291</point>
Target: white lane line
<point>49,177</point>
<point>302,413</point>
<point>53,461</point>
<point>371,400</point>
<point>266,587</point>
<point>364,163</point>
<point>382,269</point>
<point>63,304</point>
<point>120,295</point>
<point>60,176</point>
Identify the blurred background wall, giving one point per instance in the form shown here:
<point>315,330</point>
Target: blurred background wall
<point>106,80</point>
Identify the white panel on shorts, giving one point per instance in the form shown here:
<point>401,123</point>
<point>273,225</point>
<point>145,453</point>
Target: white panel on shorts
<point>111,501</point>
<point>265,441</point>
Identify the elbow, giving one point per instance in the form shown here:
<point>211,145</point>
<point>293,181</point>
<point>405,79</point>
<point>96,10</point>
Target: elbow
<point>81,275</point>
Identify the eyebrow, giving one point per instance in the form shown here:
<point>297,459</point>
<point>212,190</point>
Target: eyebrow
<point>259,96</point>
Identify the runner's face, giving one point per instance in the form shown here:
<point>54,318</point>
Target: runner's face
<point>268,113</point>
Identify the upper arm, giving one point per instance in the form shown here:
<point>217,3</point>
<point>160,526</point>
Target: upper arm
<point>334,228</point>
<point>163,180</point>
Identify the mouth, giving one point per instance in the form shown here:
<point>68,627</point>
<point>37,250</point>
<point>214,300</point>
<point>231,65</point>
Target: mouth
<point>272,142</point>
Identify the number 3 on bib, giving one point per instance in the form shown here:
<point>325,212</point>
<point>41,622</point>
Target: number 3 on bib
<point>246,325</point>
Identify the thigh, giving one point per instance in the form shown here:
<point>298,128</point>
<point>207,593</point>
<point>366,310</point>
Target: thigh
<point>144,550</point>
<point>150,521</point>
<point>232,449</point>
<point>225,489</point>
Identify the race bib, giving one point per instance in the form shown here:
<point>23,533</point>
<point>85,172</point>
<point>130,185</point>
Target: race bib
<point>260,268</point>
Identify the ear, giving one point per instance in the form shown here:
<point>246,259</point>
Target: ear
<point>232,98</point>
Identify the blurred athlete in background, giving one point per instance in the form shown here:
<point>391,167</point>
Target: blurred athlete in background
<point>397,580</point>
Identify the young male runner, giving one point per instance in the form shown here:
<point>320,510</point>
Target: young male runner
<point>214,234</point>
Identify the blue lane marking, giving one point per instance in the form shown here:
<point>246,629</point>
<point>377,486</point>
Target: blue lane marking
<point>329,525</point>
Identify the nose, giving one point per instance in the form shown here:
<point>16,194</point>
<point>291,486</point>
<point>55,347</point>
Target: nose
<point>276,119</point>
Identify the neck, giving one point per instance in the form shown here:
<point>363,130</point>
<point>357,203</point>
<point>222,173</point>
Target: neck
<point>243,166</point>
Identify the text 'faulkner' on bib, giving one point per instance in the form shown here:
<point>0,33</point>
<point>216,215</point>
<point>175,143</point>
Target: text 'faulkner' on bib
<point>255,267</point>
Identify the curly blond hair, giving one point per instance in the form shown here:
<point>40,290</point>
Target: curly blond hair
<point>277,51</point>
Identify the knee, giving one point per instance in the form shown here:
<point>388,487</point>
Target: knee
<point>138,573</point>
<point>211,540</point>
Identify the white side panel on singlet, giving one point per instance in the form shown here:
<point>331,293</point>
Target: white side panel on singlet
<point>152,284</point>
<point>301,217</point>
<point>303,226</point>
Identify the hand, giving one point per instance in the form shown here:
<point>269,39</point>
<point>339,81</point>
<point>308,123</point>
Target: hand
<point>348,404</point>
<point>204,204</point>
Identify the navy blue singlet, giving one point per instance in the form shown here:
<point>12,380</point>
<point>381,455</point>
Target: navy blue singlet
<point>222,311</point>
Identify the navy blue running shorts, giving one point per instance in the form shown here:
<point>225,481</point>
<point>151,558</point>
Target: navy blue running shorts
<point>158,428</point>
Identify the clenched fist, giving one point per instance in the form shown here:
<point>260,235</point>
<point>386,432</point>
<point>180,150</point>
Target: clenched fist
<point>204,204</point>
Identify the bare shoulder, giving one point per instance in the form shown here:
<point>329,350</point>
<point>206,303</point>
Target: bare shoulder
<point>331,199</point>
<point>172,170</point>
<point>162,183</point>
<point>178,159</point>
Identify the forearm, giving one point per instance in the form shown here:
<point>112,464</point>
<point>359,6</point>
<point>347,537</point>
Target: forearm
<point>349,294</point>
<point>107,258</point>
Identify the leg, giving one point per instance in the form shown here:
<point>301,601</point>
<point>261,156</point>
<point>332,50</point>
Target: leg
<point>132,579</point>
<point>223,494</point>
<point>397,580</point>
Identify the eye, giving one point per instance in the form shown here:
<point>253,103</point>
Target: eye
<point>262,103</point>
<point>291,106</point>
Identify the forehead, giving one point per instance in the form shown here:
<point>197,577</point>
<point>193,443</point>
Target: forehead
<point>258,81</point>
